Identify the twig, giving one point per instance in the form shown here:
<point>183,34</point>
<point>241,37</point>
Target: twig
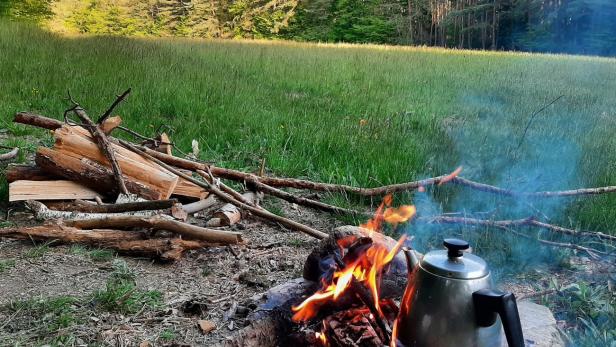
<point>539,293</point>
<point>544,194</point>
<point>227,198</point>
<point>515,222</point>
<point>507,224</point>
<point>9,155</point>
<point>532,117</point>
<point>103,143</point>
<point>118,100</point>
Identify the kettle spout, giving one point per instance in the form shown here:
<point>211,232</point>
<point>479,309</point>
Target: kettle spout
<point>411,259</point>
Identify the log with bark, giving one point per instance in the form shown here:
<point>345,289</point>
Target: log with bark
<point>16,172</point>
<point>123,221</point>
<point>99,177</point>
<point>124,242</point>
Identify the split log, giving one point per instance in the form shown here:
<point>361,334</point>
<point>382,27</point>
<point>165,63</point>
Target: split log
<point>69,142</point>
<point>103,144</point>
<point>223,196</point>
<point>124,242</point>
<point>132,164</point>
<point>16,172</point>
<point>49,190</point>
<point>188,189</point>
<point>110,124</point>
<point>37,120</point>
<point>95,175</point>
<point>229,214</point>
<point>82,206</point>
<point>9,155</point>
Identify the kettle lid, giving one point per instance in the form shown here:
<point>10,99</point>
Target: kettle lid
<point>454,263</point>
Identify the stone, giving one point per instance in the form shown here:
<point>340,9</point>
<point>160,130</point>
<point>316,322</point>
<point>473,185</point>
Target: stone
<point>538,326</point>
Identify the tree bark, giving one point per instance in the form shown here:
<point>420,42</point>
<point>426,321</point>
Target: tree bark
<point>19,172</point>
<point>91,174</point>
<point>125,242</point>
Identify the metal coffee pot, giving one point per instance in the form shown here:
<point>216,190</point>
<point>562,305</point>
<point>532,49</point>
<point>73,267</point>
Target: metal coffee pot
<point>449,301</point>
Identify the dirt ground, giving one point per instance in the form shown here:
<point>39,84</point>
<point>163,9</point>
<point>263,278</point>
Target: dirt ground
<point>213,276</point>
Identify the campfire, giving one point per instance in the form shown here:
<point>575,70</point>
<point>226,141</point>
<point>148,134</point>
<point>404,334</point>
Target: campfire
<point>351,277</point>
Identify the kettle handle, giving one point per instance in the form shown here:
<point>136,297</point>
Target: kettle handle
<point>488,303</point>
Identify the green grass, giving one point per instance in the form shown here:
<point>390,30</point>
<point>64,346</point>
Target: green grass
<point>362,115</point>
<point>6,264</point>
<point>121,293</point>
<point>37,251</point>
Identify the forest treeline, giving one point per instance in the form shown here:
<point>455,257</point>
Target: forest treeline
<point>567,26</point>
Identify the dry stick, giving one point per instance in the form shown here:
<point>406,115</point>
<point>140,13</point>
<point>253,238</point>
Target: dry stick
<point>81,206</point>
<point>532,117</point>
<point>118,100</point>
<point>199,205</point>
<point>240,176</point>
<point>225,188</point>
<point>37,120</point>
<point>559,193</point>
<point>253,180</point>
<point>159,223</point>
<point>126,242</point>
<point>516,222</point>
<point>121,221</point>
<point>9,155</point>
<point>256,211</point>
<point>235,175</point>
<point>506,224</point>
<point>103,143</point>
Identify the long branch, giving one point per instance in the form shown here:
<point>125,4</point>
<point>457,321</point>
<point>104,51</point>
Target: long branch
<point>515,222</point>
<point>239,176</point>
<point>225,197</point>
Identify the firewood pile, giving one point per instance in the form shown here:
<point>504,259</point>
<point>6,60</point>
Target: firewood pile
<point>136,197</point>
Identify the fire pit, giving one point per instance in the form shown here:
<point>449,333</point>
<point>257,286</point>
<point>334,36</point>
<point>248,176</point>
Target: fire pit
<point>353,279</point>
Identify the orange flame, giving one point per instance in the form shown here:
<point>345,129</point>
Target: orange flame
<point>366,269</point>
<point>451,176</point>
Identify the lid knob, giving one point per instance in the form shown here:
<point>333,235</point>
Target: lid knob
<point>455,247</point>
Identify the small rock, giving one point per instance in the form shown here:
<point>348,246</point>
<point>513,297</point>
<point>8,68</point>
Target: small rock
<point>94,319</point>
<point>231,325</point>
<point>145,343</point>
<point>206,326</point>
<point>194,307</point>
<point>253,280</point>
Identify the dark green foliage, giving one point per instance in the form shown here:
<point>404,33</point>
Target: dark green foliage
<point>29,10</point>
<point>568,26</point>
